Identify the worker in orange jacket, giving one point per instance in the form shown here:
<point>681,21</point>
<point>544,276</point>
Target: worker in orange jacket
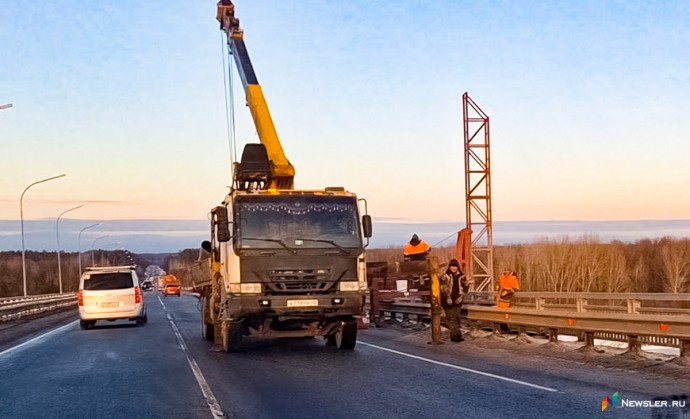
<point>507,286</point>
<point>416,249</point>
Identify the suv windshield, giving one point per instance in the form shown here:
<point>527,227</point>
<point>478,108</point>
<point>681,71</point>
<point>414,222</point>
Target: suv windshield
<point>293,222</point>
<point>108,281</point>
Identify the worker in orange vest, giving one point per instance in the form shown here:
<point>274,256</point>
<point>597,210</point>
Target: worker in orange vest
<point>507,286</point>
<point>416,249</point>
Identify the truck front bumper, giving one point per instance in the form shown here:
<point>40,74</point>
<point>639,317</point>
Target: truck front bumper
<point>316,307</point>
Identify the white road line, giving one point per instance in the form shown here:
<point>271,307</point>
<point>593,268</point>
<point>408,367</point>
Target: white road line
<point>38,338</point>
<point>213,404</point>
<point>457,367</point>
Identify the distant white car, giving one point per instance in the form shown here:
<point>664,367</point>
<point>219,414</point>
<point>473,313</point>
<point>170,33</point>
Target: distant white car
<point>110,293</point>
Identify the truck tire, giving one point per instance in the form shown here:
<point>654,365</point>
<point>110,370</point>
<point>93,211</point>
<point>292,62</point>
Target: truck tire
<point>207,330</point>
<point>232,339</point>
<point>346,336</point>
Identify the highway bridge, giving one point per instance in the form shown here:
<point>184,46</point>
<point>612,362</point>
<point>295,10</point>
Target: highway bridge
<point>165,370</point>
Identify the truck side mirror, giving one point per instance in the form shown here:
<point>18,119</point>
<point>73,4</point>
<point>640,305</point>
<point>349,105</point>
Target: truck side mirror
<point>206,246</point>
<point>366,225</point>
<point>220,215</point>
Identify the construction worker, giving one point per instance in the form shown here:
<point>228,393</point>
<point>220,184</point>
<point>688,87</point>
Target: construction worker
<point>507,286</point>
<point>416,249</point>
<point>453,284</point>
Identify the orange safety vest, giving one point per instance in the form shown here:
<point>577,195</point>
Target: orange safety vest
<point>421,247</point>
<point>507,285</point>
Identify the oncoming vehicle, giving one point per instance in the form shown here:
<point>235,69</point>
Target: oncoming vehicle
<point>170,285</point>
<point>171,289</point>
<point>280,262</point>
<point>110,293</point>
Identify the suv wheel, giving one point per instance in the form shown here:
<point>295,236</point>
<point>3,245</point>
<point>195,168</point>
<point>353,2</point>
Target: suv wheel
<point>86,324</point>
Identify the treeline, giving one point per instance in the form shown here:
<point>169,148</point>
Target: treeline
<point>584,264</point>
<point>181,264</point>
<point>42,276</point>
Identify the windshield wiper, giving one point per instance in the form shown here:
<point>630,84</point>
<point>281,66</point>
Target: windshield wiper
<point>280,242</point>
<point>342,249</point>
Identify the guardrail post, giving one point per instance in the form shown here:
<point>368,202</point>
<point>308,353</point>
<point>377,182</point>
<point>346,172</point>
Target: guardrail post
<point>685,351</point>
<point>539,303</point>
<point>633,343</point>
<point>553,335</point>
<point>633,306</point>
<point>432,267</point>
<point>589,338</point>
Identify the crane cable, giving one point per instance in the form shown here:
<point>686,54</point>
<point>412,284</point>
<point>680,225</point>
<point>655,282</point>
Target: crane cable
<point>229,102</point>
<point>436,244</point>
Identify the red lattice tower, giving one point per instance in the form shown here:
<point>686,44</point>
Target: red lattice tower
<point>478,194</point>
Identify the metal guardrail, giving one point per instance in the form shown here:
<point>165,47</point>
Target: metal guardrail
<point>14,308</point>
<point>635,318</point>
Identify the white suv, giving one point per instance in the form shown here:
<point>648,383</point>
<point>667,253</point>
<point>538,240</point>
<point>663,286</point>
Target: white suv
<point>110,293</point>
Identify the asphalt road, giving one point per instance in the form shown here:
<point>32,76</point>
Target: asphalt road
<point>165,370</point>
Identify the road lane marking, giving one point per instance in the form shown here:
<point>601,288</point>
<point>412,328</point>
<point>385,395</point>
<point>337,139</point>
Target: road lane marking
<point>38,338</point>
<point>211,400</point>
<point>457,367</point>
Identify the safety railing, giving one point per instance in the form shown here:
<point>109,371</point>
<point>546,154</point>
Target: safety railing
<point>635,318</point>
<point>14,308</point>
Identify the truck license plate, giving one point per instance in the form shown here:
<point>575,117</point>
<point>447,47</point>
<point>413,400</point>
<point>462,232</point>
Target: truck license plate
<point>303,303</point>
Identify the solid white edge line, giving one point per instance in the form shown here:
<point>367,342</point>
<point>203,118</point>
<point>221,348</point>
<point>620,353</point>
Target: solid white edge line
<point>37,338</point>
<point>211,400</point>
<point>457,367</point>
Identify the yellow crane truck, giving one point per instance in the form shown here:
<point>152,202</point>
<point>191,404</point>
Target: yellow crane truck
<point>281,262</point>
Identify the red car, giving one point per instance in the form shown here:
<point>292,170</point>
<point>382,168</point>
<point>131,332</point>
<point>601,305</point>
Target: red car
<point>171,289</point>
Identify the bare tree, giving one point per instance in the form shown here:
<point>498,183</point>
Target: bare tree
<point>675,255</point>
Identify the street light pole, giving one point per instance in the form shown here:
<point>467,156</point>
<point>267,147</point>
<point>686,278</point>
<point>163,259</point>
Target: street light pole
<point>21,222</point>
<point>92,247</point>
<point>57,235</point>
<point>79,242</point>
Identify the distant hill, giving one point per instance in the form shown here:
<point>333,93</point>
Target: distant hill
<point>171,236</point>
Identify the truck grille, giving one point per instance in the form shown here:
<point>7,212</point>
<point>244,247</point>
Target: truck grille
<point>288,281</point>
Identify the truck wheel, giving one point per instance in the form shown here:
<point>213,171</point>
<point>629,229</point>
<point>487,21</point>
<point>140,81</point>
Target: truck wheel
<point>346,336</point>
<point>207,330</point>
<point>233,336</point>
<point>84,324</point>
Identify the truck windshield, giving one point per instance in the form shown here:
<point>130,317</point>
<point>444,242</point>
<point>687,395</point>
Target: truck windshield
<point>297,222</point>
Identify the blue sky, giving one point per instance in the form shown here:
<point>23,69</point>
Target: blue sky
<point>588,104</point>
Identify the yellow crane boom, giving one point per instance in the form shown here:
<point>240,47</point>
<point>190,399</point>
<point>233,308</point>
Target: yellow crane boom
<point>282,172</point>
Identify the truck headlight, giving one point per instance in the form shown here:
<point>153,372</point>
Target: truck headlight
<point>349,286</point>
<point>250,288</point>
